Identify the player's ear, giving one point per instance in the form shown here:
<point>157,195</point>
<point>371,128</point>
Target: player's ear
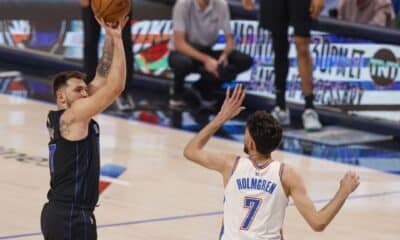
<point>61,98</point>
<point>252,145</point>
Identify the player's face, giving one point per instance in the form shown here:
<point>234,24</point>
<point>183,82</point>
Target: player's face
<point>76,89</point>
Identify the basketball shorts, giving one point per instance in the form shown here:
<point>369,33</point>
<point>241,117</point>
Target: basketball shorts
<point>277,15</point>
<point>64,223</point>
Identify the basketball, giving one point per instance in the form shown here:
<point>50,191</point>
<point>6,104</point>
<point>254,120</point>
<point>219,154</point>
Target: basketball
<point>111,10</point>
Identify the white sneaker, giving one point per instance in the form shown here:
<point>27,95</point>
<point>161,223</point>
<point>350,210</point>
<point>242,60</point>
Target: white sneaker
<point>311,121</point>
<point>282,116</point>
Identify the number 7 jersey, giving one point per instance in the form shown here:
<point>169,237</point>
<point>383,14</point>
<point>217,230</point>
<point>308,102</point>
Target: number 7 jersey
<point>255,202</point>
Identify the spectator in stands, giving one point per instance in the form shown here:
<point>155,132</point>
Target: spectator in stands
<point>376,12</point>
<point>196,26</point>
<point>90,53</point>
<point>276,15</point>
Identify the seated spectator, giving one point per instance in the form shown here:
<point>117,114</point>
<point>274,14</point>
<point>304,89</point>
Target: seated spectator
<point>376,12</point>
<point>196,26</point>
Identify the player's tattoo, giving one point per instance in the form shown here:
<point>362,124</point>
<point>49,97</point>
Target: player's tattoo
<point>64,128</point>
<point>105,62</point>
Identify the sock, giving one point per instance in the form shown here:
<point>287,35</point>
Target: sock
<point>280,100</point>
<point>309,101</point>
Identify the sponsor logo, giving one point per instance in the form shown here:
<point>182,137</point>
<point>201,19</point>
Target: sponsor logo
<point>383,67</point>
<point>11,82</point>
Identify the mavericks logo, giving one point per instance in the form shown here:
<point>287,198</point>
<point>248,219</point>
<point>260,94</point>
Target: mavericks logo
<point>383,67</point>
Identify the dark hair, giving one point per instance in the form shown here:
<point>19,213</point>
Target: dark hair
<point>265,131</point>
<point>60,79</point>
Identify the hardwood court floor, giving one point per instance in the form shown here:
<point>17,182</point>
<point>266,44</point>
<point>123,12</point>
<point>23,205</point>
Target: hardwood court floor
<point>163,196</point>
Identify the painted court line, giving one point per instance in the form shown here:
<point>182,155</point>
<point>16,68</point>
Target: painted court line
<point>207,214</point>
<point>114,180</point>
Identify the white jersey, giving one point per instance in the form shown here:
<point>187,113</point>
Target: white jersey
<point>255,202</point>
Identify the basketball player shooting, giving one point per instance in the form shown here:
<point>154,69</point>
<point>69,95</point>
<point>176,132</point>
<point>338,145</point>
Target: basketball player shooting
<point>257,188</point>
<point>74,141</point>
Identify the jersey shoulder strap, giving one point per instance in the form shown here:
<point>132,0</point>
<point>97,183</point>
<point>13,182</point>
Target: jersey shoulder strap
<point>53,124</point>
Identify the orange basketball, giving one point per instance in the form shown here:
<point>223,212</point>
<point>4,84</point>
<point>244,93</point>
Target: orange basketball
<point>111,10</point>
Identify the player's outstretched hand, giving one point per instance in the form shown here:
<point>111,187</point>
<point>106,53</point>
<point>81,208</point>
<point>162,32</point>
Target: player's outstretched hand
<point>113,29</point>
<point>232,105</point>
<point>350,182</point>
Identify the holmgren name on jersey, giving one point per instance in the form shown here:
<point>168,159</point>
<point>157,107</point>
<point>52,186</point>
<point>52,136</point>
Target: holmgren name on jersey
<point>256,184</point>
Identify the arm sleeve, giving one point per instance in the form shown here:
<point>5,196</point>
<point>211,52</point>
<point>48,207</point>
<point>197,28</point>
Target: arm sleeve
<point>225,19</point>
<point>179,14</point>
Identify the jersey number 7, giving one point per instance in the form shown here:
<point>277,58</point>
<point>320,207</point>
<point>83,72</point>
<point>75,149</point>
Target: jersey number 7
<point>253,204</point>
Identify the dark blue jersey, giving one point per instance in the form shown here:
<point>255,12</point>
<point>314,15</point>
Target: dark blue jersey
<point>74,166</point>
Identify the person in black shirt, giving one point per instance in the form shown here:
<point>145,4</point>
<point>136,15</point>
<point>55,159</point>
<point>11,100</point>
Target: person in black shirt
<point>74,158</point>
<point>276,15</point>
<point>91,31</point>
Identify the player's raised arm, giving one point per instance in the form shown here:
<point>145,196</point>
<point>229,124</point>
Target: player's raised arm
<point>86,108</point>
<point>103,68</point>
<point>194,150</point>
<point>318,220</point>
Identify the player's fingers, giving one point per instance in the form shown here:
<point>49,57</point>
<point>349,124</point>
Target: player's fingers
<point>239,110</point>
<point>240,93</point>
<point>227,93</point>
<point>242,96</point>
<point>124,21</point>
<point>100,21</point>
<point>232,98</point>
<point>235,92</point>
